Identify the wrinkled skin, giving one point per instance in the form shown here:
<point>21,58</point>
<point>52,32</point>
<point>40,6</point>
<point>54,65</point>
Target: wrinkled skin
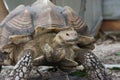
<point>54,49</point>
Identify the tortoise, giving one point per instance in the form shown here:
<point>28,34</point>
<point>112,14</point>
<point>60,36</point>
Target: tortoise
<point>54,49</point>
<point>19,28</point>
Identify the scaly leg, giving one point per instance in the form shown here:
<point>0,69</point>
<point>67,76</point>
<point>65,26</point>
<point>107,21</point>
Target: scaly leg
<point>95,69</point>
<point>22,68</point>
<point>93,66</point>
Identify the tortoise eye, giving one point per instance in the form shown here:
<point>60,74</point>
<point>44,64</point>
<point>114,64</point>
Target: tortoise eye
<point>67,34</point>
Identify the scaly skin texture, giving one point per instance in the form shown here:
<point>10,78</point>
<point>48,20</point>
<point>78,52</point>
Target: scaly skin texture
<point>59,50</point>
<point>93,66</point>
<point>22,68</point>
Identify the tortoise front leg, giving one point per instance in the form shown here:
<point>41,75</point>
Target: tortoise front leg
<point>22,68</point>
<point>93,66</point>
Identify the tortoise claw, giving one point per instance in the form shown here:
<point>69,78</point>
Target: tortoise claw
<point>22,68</point>
<point>39,61</point>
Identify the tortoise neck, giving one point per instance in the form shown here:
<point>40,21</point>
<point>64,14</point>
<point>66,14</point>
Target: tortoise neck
<point>55,44</point>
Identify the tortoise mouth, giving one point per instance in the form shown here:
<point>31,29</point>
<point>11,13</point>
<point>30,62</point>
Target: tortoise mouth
<point>72,41</point>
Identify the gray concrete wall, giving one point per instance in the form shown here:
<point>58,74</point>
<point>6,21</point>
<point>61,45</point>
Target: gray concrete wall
<point>14,3</point>
<point>111,9</point>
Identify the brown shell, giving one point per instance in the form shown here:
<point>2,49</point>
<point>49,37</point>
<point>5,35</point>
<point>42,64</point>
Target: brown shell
<point>73,20</point>
<point>49,17</point>
<point>14,12</point>
<point>47,14</point>
<point>18,21</point>
<point>14,24</point>
<point>23,20</point>
<point>40,5</point>
<point>44,14</point>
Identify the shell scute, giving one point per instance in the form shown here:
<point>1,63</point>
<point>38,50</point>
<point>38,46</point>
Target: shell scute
<point>50,17</point>
<point>14,12</point>
<point>40,5</point>
<point>73,20</point>
<point>16,23</point>
<point>21,21</point>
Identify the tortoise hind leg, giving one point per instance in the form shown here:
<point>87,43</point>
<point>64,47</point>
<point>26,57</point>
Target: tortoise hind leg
<point>22,68</point>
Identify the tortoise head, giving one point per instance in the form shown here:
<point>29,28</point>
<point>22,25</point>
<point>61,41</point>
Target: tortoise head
<point>66,37</point>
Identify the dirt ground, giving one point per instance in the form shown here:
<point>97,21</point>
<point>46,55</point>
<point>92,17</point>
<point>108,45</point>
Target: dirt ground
<point>106,51</point>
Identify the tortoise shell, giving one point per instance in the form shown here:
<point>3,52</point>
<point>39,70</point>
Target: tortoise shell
<point>23,20</point>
